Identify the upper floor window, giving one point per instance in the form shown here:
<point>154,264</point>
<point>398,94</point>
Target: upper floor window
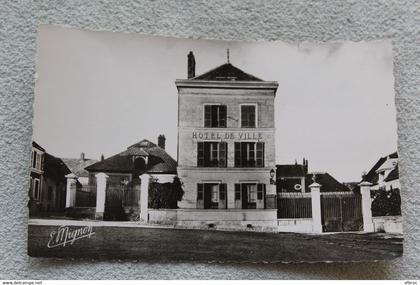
<point>249,154</point>
<point>36,189</point>
<point>36,160</point>
<point>212,154</point>
<point>248,116</point>
<point>214,116</point>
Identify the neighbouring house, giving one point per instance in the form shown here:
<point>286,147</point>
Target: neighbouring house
<point>53,196</point>
<point>36,178</point>
<point>384,174</point>
<point>77,167</point>
<point>123,171</point>
<point>296,178</point>
<point>385,189</point>
<point>226,148</point>
<point>47,186</point>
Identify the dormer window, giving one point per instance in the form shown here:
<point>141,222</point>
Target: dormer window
<point>139,163</point>
<point>214,116</point>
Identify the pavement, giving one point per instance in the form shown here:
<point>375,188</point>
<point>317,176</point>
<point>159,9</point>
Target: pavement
<point>131,240</point>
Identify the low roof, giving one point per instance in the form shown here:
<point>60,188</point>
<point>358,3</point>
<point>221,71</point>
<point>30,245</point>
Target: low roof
<point>77,165</point>
<point>226,72</point>
<point>159,161</point>
<point>290,170</point>
<point>328,183</point>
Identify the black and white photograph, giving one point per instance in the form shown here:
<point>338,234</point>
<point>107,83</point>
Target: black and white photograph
<point>170,149</point>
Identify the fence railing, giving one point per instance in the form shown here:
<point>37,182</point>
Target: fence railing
<point>127,195</point>
<point>294,205</point>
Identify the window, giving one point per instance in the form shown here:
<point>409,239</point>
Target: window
<point>215,116</point>
<point>252,193</point>
<point>34,156</point>
<point>215,193</point>
<point>212,154</point>
<point>248,116</point>
<point>211,195</point>
<point>36,193</point>
<point>249,195</point>
<point>249,154</point>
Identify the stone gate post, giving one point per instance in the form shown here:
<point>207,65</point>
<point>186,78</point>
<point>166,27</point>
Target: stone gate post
<point>100,195</point>
<point>144,198</point>
<point>71,190</point>
<point>316,207</point>
<point>366,206</point>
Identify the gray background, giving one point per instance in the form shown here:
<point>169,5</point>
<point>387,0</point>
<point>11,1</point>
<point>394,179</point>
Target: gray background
<point>289,21</point>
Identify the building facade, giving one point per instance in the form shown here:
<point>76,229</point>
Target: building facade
<point>226,139</point>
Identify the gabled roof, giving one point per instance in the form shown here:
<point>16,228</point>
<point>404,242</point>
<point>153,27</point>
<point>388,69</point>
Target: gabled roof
<point>393,175</point>
<point>328,183</point>
<point>55,168</point>
<point>159,161</point>
<point>35,145</point>
<point>290,170</point>
<point>226,72</point>
<point>77,165</point>
<point>372,176</point>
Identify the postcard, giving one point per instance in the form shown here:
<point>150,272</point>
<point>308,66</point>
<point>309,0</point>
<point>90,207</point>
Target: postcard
<point>160,148</point>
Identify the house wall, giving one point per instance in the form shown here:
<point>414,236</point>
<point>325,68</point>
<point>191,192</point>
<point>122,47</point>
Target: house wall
<point>295,225</point>
<point>263,220</point>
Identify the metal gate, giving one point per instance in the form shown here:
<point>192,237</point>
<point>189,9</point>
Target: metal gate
<point>341,212</point>
<point>114,197</point>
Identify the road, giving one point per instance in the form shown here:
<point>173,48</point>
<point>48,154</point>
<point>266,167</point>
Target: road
<point>168,244</point>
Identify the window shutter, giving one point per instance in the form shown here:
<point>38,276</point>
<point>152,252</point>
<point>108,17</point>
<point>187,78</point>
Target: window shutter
<point>200,191</point>
<point>222,116</point>
<point>244,116</point>
<point>260,191</point>
<point>251,117</point>
<point>207,116</point>
<point>200,154</point>
<point>237,191</point>
<point>237,154</point>
<point>222,191</point>
<point>260,154</point>
<point>223,154</point>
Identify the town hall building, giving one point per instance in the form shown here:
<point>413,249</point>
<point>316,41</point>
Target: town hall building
<point>226,144</point>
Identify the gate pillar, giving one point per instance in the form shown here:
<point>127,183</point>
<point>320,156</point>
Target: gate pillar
<point>144,198</point>
<point>366,206</point>
<point>316,207</point>
<point>71,190</point>
<point>100,195</point>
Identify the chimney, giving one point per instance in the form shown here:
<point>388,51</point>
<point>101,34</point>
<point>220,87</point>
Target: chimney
<point>161,141</point>
<point>102,157</point>
<point>191,65</point>
<point>82,156</point>
<point>305,165</point>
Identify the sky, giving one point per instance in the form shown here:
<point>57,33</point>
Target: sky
<point>100,92</point>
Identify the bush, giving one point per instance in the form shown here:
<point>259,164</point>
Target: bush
<point>386,203</point>
<point>165,196</point>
